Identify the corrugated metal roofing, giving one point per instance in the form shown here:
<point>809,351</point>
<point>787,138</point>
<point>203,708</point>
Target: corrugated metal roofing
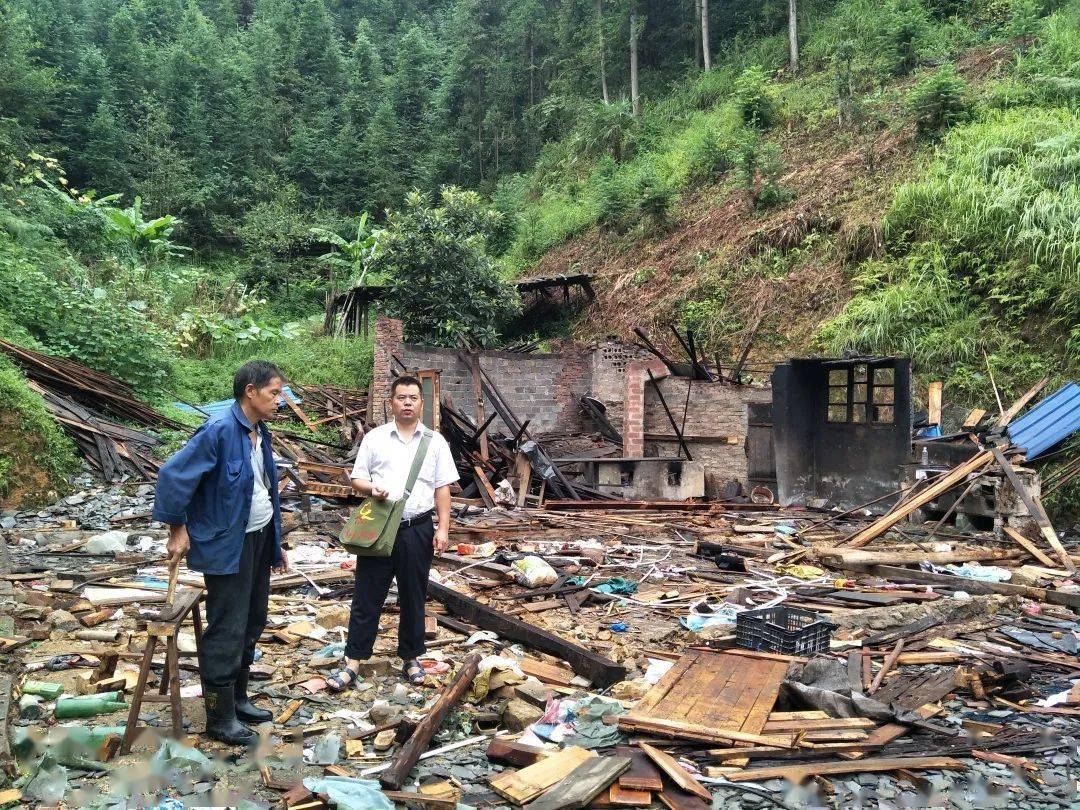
<point>1055,418</point>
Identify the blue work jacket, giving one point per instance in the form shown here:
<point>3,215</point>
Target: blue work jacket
<point>208,486</point>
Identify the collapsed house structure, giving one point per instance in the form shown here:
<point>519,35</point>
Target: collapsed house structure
<point>666,584</point>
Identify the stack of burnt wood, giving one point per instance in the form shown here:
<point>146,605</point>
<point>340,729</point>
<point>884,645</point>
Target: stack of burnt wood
<point>82,400</point>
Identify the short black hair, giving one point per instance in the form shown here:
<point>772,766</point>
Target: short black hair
<point>254,372</point>
<point>405,379</point>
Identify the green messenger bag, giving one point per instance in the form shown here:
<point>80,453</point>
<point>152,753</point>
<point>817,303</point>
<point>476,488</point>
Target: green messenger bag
<point>372,528</point>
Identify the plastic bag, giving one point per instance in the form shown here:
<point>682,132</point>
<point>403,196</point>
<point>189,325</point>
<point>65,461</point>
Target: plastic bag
<point>533,572</point>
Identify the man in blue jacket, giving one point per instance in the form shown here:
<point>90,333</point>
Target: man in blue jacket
<point>219,497</point>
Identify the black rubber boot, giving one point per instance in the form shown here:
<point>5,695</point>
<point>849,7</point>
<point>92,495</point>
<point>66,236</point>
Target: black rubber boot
<point>245,709</point>
<point>221,722</point>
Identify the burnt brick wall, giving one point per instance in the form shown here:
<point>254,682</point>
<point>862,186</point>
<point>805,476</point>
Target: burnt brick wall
<point>714,410</point>
<point>543,388</point>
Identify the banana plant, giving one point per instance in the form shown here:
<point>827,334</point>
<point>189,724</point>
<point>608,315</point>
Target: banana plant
<point>150,236</point>
<point>353,257</point>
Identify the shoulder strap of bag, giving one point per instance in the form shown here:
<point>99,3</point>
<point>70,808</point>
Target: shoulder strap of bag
<point>417,463</point>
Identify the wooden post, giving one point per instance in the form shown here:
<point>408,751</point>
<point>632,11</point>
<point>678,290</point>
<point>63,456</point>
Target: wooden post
<point>394,777</point>
<point>933,403</point>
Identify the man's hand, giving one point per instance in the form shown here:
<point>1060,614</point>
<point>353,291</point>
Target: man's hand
<point>379,494</point>
<point>178,544</point>
<point>442,538</point>
<point>283,567</point>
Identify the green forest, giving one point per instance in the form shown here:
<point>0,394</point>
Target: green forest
<point>184,183</point>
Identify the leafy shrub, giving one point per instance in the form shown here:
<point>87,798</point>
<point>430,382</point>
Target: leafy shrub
<point>753,98</point>
<point>1003,196</point>
<point>308,358</point>
<point>761,166</point>
<point>205,329</point>
<point>74,318</point>
<point>904,36</point>
<point>441,280</point>
<point>938,101</point>
<point>35,455</point>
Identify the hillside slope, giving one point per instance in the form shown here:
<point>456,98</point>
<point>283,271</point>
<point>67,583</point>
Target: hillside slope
<point>934,223</point>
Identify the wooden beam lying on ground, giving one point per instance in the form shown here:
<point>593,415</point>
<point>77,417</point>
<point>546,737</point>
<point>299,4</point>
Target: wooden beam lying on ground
<point>898,574</point>
<point>854,555</point>
<point>797,773</point>
<point>942,485</point>
<point>394,777</point>
<point>598,669</point>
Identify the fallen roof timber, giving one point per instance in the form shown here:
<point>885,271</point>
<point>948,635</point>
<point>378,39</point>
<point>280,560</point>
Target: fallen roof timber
<point>598,669</point>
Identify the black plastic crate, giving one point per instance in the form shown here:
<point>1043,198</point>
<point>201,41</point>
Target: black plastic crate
<point>784,630</point>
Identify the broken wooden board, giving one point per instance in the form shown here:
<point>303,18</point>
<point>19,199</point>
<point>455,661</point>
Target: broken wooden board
<point>899,513</point>
<point>713,697</point>
<point>587,781</point>
<point>642,774</point>
<point>797,773</point>
<point>675,772</point>
<point>1035,509</point>
<point>598,669</point>
<point>618,796</point>
<point>521,787</point>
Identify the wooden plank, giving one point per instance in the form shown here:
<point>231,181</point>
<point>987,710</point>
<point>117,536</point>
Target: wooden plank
<point>546,673</point>
<point>521,787</point>
<point>618,796</point>
<point>943,484</point>
<point>1029,547</point>
<point>303,417</point>
<point>394,777</point>
<point>1007,417</point>
<point>642,774</point>
<point>933,402</point>
<point>587,781</point>
<point>797,773</point>
<point>598,669</point>
<point>890,662</point>
<point>898,574</point>
<point>514,753</point>
<point>674,771</point>
<point>841,556</point>
<point>883,735</point>
<point>815,724</point>
<point>974,418</point>
<point>1035,509</point>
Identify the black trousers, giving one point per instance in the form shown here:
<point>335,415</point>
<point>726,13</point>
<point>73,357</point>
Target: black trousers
<point>409,563</point>
<point>236,606</point>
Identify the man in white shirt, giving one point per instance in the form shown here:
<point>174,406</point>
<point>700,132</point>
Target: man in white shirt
<point>381,471</point>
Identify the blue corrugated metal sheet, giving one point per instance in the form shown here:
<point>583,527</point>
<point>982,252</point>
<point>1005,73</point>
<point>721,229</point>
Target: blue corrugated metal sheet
<point>214,408</point>
<point>1055,418</point>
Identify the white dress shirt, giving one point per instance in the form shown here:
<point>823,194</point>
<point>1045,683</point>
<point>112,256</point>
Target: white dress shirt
<point>385,460</point>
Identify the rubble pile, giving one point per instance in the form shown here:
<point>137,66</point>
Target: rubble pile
<point>612,677</point>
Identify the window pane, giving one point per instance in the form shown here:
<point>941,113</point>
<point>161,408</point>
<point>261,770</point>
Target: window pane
<point>859,393</point>
<point>883,414</point>
<point>858,413</point>
<point>837,413</point>
<point>838,377</point>
<point>883,396</point>
<point>860,372</point>
<point>883,376</point>
<point>838,395</point>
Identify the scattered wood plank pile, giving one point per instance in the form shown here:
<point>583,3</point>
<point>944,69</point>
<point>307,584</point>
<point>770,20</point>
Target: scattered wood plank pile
<point>81,399</point>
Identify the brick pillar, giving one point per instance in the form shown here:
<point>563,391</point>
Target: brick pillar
<point>633,430</point>
<point>389,340</point>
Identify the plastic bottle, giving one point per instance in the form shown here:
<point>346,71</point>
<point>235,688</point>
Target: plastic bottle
<point>88,706</point>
